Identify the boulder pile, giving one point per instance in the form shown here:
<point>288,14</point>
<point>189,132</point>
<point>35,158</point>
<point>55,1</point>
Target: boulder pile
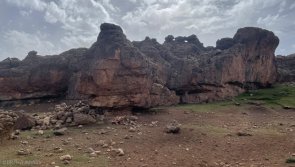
<point>67,115</point>
<point>7,122</point>
<point>63,116</point>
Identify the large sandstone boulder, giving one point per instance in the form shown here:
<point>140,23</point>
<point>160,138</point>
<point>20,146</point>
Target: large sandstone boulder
<point>117,73</point>
<point>83,119</point>
<point>24,121</point>
<point>286,68</point>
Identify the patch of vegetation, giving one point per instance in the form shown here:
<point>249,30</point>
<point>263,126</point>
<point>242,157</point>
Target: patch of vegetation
<point>267,132</point>
<point>205,107</point>
<point>278,95</point>
<point>290,160</point>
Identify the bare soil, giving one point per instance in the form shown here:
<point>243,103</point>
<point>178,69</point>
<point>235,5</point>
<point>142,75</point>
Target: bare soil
<point>207,138</point>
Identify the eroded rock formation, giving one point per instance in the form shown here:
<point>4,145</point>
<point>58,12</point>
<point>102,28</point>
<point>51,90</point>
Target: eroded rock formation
<point>117,73</point>
<point>286,68</point>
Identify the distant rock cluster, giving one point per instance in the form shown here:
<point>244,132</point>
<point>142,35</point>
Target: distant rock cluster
<point>286,68</point>
<point>115,73</point>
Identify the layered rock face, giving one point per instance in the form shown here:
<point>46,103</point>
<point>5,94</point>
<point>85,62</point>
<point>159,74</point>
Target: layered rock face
<point>286,68</point>
<point>117,73</point>
<point>200,74</point>
<point>38,76</point>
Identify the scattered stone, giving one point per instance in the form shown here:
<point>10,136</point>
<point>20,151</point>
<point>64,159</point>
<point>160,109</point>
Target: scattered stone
<point>244,134</point>
<point>66,157</point>
<point>133,118</point>
<point>173,127</point>
<point>49,155</point>
<point>24,142</point>
<point>60,132</point>
<point>23,152</point>
<point>66,162</point>
<point>80,126</point>
<point>14,137</point>
<point>40,132</point>
<point>124,120</point>
<point>65,142</point>
<point>46,121</point>
<point>132,129</point>
<point>69,120</point>
<point>17,132</point>
<point>93,154</point>
<point>58,150</point>
<point>119,151</point>
<point>105,145</point>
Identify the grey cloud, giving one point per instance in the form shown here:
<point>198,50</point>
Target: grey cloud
<point>51,26</point>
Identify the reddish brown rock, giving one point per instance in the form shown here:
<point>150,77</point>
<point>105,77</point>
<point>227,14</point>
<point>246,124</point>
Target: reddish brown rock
<point>38,76</point>
<point>117,73</point>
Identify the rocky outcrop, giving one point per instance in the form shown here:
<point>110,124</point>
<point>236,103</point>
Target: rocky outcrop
<point>38,76</point>
<point>197,74</point>
<point>117,73</point>
<point>286,68</point>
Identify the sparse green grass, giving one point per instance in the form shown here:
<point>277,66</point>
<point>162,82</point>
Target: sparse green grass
<point>290,160</point>
<point>279,95</point>
<point>267,132</point>
<point>205,107</point>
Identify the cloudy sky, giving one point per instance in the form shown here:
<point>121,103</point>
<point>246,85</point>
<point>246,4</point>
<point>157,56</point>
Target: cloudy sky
<point>53,26</point>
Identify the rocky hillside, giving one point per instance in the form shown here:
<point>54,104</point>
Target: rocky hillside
<point>117,73</point>
<point>286,68</point>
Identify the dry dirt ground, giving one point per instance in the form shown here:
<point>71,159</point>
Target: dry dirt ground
<point>208,137</point>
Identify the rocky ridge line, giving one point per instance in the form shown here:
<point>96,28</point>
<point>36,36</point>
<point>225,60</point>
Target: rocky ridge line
<point>116,73</point>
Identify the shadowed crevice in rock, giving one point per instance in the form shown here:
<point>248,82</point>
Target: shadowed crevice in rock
<point>117,73</point>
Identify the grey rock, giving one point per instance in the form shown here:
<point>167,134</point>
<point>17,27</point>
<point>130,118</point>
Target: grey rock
<point>83,119</point>
<point>60,132</point>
